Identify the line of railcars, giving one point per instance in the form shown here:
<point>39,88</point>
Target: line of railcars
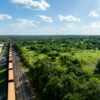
<point>11,84</point>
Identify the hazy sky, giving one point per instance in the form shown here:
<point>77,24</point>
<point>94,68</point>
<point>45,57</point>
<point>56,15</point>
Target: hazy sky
<point>50,17</point>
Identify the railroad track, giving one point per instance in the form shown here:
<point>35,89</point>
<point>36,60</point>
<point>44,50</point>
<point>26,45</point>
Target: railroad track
<point>23,90</point>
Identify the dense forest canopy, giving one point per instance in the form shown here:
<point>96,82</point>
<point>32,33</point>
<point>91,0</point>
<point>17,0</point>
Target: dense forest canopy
<point>56,65</point>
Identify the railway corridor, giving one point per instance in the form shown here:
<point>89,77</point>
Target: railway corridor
<point>22,86</point>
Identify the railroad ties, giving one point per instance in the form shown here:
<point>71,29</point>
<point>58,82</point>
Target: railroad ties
<point>11,84</point>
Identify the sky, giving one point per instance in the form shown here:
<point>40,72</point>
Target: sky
<point>50,17</point>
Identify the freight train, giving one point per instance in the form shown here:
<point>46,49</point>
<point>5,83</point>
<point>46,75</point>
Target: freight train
<point>11,84</point>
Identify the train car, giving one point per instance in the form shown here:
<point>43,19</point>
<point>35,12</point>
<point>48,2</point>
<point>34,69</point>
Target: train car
<point>10,47</point>
<point>10,55</point>
<point>10,59</point>
<point>10,66</point>
<point>10,50</point>
<point>11,91</point>
<point>11,85</point>
<point>10,76</point>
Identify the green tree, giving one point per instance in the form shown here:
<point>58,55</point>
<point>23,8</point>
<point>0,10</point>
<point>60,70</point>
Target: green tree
<point>98,66</point>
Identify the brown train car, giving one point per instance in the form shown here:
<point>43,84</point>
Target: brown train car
<point>10,66</point>
<point>10,76</point>
<point>10,48</point>
<point>10,59</point>
<point>10,51</point>
<point>10,55</point>
<point>11,91</point>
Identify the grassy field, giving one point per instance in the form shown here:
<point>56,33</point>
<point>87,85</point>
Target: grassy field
<point>89,59</point>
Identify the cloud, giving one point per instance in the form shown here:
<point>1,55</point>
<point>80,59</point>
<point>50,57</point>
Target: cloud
<point>24,23</point>
<point>46,18</point>
<point>32,4</point>
<point>95,24</point>
<point>93,14</point>
<point>68,18</point>
<point>5,17</point>
<point>23,26</point>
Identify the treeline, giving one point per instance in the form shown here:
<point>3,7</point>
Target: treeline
<point>64,42</point>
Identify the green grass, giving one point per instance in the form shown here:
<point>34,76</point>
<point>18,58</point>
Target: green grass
<point>89,59</point>
<point>32,56</point>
